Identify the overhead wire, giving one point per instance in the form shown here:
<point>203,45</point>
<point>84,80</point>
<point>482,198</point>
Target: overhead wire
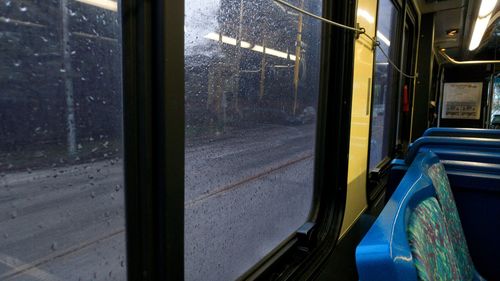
<point>357,30</point>
<point>318,17</point>
<point>394,65</point>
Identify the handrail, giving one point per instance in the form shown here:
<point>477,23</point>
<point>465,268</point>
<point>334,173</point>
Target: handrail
<point>453,61</point>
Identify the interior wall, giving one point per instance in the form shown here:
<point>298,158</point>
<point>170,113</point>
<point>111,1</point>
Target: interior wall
<point>467,73</point>
<point>360,118</point>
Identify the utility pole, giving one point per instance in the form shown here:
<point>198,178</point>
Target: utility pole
<point>68,80</point>
<point>263,70</point>
<point>238,60</point>
<point>296,69</point>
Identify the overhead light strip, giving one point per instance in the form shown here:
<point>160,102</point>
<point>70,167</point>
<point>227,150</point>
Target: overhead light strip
<point>246,45</point>
<point>103,4</point>
<point>383,38</point>
<point>482,20</point>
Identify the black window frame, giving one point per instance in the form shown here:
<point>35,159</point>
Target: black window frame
<point>153,86</point>
<point>410,19</point>
<point>405,11</point>
<point>384,162</point>
<point>154,138</point>
<point>377,177</point>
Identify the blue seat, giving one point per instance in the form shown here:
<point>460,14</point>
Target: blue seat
<point>462,132</point>
<point>483,150</point>
<point>418,235</point>
<point>478,155</point>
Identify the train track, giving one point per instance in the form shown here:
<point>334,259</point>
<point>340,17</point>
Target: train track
<point>240,183</point>
<point>27,267</point>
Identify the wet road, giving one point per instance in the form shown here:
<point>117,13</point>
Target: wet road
<point>244,195</point>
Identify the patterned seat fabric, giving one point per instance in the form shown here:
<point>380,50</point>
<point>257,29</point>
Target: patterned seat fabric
<point>453,224</point>
<point>430,243</point>
<point>436,236</point>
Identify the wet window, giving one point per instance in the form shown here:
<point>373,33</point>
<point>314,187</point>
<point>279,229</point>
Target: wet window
<point>384,84</point>
<point>61,167</point>
<point>252,83</point>
<point>495,105</point>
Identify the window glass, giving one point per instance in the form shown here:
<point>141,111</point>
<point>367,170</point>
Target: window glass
<point>384,85</point>
<point>61,178</point>
<point>495,105</point>
<point>252,83</point>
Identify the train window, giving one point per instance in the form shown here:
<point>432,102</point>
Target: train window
<point>495,105</point>
<point>252,85</point>
<point>384,85</point>
<point>61,179</point>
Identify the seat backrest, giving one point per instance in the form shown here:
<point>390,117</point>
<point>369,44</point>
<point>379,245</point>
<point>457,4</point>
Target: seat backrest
<point>435,233</point>
<point>418,233</point>
<point>430,242</point>
<point>462,132</point>
<point>484,150</point>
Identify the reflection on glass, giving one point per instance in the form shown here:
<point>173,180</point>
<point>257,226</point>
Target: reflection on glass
<point>384,84</point>
<point>252,78</point>
<point>61,179</point>
<point>495,105</point>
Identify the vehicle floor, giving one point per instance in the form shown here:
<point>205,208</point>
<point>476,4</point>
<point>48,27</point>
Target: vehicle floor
<point>341,265</point>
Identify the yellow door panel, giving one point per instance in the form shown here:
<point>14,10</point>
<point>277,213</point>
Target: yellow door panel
<point>360,120</point>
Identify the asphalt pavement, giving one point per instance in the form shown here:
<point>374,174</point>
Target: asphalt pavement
<point>244,194</point>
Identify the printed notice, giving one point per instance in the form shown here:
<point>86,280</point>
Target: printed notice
<point>462,100</point>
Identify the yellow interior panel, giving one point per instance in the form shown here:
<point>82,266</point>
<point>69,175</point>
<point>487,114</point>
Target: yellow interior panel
<point>360,120</point>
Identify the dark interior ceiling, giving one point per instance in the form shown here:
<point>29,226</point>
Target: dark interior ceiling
<point>460,15</point>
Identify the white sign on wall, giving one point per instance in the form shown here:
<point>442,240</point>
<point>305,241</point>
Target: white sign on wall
<point>462,100</point>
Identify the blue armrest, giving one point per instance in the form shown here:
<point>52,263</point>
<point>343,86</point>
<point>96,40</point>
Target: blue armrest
<point>384,253</point>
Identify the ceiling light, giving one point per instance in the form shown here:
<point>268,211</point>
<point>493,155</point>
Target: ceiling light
<point>383,38</point>
<point>243,44</point>
<point>482,20</point>
<point>258,48</point>
<point>276,53</point>
<point>229,40</point>
<point>213,36</point>
<point>479,29</point>
<point>487,6</point>
<point>104,4</point>
<point>452,32</point>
